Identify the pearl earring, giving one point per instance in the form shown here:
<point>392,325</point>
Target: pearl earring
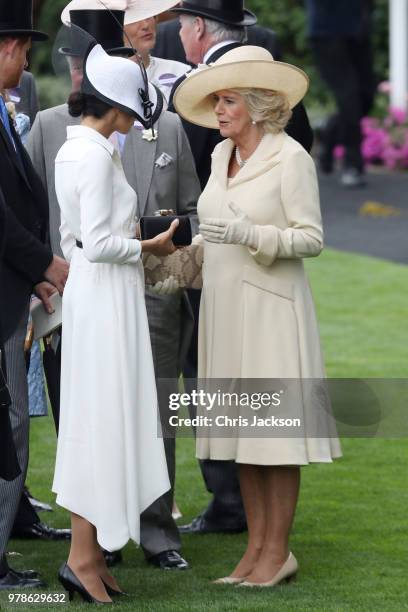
<point>253,122</point>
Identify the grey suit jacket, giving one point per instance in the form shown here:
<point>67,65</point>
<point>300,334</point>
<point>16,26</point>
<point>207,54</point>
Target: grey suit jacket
<point>174,185</point>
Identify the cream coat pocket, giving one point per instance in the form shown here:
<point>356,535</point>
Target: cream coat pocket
<point>270,342</point>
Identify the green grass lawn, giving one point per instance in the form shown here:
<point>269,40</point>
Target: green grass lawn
<point>350,533</point>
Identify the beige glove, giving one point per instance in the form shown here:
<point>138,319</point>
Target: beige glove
<point>231,231</point>
<point>168,286</point>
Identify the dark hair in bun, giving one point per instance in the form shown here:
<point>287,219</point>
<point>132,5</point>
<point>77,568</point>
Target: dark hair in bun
<point>87,106</point>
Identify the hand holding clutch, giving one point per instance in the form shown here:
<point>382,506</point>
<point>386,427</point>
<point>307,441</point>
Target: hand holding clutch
<point>231,231</point>
<point>168,286</point>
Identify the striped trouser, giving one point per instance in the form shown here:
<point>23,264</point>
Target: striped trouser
<point>10,492</point>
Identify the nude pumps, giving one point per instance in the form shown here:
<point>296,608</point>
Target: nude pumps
<point>287,572</point>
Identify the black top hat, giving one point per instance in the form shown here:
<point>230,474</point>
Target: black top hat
<point>231,12</point>
<point>105,26</point>
<point>16,19</point>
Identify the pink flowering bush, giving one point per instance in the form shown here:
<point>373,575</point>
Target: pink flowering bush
<point>385,139</point>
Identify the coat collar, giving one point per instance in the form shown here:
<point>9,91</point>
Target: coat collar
<point>263,159</point>
<point>219,50</point>
<point>81,131</point>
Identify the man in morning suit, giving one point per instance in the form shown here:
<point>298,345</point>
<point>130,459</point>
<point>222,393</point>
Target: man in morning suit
<point>161,171</point>
<point>209,30</point>
<point>28,264</point>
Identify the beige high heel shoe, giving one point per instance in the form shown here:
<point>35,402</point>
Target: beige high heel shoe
<point>229,580</point>
<point>287,572</point>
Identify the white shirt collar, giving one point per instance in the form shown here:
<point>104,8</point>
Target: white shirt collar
<point>82,131</point>
<point>216,47</point>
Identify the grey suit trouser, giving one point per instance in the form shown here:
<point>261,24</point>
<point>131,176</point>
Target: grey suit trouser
<point>158,530</point>
<point>10,492</point>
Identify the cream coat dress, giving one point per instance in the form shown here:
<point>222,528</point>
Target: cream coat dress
<point>257,317</point>
<point>110,462</point>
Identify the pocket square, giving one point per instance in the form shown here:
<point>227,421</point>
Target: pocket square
<point>164,160</point>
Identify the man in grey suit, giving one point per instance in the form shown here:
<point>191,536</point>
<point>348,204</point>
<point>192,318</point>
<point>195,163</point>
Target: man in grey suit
<point>162,172</point>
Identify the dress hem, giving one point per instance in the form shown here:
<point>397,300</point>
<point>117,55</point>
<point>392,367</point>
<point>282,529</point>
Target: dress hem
<point>268,463</point>
<point>70,508</point>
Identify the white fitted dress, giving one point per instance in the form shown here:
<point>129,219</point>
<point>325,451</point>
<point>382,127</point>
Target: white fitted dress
<point>110,462</point>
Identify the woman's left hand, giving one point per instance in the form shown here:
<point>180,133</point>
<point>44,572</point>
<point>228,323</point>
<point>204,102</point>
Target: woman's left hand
<point>231,231</point>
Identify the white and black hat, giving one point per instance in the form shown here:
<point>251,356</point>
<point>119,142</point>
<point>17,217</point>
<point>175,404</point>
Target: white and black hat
<point>119,82</point>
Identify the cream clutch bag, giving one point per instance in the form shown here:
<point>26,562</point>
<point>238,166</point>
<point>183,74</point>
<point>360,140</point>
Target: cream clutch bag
<point>43,323</point>
<point>185,265</point>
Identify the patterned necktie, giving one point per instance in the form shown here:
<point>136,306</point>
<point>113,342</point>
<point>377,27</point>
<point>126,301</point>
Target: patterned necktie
<point>5,119</point>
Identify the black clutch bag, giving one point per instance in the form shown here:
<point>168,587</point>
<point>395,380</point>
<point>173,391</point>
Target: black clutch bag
<point>152,226</point>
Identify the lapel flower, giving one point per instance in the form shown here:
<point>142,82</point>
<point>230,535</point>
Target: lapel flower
<point>150,135</point>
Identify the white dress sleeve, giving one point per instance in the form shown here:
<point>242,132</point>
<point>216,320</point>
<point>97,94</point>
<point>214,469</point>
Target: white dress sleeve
<point>67,239</point>
<point>95,190</point>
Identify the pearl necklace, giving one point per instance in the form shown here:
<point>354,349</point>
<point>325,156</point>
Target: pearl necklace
<point>241,162</point>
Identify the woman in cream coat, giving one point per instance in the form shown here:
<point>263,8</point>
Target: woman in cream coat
<point>260,216</point>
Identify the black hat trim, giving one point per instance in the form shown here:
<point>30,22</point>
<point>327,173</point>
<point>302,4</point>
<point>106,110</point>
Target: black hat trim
<point>249,17</point>
<point>34,34</point>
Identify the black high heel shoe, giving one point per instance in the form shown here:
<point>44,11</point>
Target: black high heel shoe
<point>112,592</point>
<point>71,584</point>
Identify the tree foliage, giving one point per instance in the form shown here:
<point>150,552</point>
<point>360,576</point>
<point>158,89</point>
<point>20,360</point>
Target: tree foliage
<point>48,19</point>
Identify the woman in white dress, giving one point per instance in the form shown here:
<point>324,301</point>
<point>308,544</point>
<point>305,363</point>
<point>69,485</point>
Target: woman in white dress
<point>110,462</point>
<point>259,217</point>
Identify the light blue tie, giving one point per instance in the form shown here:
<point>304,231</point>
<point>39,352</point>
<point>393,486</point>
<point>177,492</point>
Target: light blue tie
<point>5,119</point>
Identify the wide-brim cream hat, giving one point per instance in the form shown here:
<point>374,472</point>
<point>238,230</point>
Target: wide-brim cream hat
<point>135,10</point>
<point>143,9</point>
<point>246,67</point>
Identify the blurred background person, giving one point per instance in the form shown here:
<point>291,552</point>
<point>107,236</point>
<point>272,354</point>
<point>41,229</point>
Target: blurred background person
<point>169,46</point>
<point>340,38</point>
<point>161,72</point>
<point>25,96</point>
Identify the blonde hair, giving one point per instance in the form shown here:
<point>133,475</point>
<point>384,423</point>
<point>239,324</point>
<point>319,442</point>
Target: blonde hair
<point>268,108</point>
